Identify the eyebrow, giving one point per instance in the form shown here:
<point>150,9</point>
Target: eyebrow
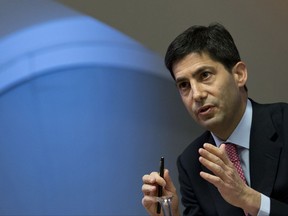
<point>194,74</point>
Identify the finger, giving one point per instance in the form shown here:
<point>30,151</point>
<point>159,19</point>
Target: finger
<point>227,175</point>
<point>225,156</point>
<point>211,157</point>
<point>213,167</point>
<point>156,178</point>
<point>148,201</point>
<point>169,186</point>
<point>149,189</point>
<point>215,180</point>
<point>152,178</point>
<point>149,204</point>
<point>220,153</point>
<point>148,179</point>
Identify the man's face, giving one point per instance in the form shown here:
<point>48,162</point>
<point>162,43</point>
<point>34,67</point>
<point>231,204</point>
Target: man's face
<point>210,93</point>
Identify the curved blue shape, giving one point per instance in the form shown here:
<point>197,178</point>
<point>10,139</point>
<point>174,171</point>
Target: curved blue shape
<point>71,42</point>
<point>85,111</point>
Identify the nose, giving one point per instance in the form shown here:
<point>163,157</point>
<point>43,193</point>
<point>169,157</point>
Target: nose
<point>198,92</point>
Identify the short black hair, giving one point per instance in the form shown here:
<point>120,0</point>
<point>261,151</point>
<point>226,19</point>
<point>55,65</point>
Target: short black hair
<point>213,40</point>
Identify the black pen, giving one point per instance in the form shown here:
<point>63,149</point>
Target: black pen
<point>161,172</point>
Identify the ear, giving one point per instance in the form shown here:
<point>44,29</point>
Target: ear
<point>240,74</point>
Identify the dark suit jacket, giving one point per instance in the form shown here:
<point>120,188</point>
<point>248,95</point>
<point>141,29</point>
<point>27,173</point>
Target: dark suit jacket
<point>268,166</point>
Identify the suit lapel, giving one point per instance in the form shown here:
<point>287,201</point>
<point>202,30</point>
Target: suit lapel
<point>265,148</point>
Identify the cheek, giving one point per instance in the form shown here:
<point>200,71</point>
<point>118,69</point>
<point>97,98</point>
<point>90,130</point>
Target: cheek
<point>227,101</point>
<point>188,105</point>
<point>226,91</point>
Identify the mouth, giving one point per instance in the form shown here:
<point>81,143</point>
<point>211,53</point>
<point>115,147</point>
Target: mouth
<point>204,109</point>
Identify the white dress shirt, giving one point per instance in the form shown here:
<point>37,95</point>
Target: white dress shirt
<point>241,137</point>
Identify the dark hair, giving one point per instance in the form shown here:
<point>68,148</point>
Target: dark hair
<point>213,40</point>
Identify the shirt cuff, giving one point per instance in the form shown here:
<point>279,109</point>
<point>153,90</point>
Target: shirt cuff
<point>265,206</point>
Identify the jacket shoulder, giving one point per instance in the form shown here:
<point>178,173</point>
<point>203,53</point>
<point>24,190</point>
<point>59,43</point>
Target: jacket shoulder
<point>192,149</point>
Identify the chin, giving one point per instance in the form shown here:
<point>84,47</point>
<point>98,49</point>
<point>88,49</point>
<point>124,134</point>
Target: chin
<point>210,124</point>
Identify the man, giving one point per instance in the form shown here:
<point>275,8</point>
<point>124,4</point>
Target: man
<point>211,79</point>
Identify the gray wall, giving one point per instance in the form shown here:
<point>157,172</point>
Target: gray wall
<point>259,28</point>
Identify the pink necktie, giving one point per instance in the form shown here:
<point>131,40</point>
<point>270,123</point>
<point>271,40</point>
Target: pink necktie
<point>232,153</point>
<point>231,150</point>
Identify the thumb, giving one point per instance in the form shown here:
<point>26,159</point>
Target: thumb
<point>169,183</point>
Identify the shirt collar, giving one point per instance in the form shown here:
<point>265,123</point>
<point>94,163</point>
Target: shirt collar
<point>241,134</point>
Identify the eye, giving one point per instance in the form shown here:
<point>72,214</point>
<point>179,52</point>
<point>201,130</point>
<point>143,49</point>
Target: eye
<point>205,75</point>
<point>183,86</point>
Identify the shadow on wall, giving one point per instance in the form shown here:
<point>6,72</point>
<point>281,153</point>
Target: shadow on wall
<point>84,112</point>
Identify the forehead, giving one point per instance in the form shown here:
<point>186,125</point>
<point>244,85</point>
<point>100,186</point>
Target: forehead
<point>194,61</point>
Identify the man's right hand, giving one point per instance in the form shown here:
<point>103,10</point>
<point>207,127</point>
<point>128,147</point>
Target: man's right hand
<point>149,189</point>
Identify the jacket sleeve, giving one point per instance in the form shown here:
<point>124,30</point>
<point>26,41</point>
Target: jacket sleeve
<point>278,208</point>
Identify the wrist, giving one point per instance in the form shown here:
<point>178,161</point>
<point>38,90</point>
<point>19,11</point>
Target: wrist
<point>252,201</point>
